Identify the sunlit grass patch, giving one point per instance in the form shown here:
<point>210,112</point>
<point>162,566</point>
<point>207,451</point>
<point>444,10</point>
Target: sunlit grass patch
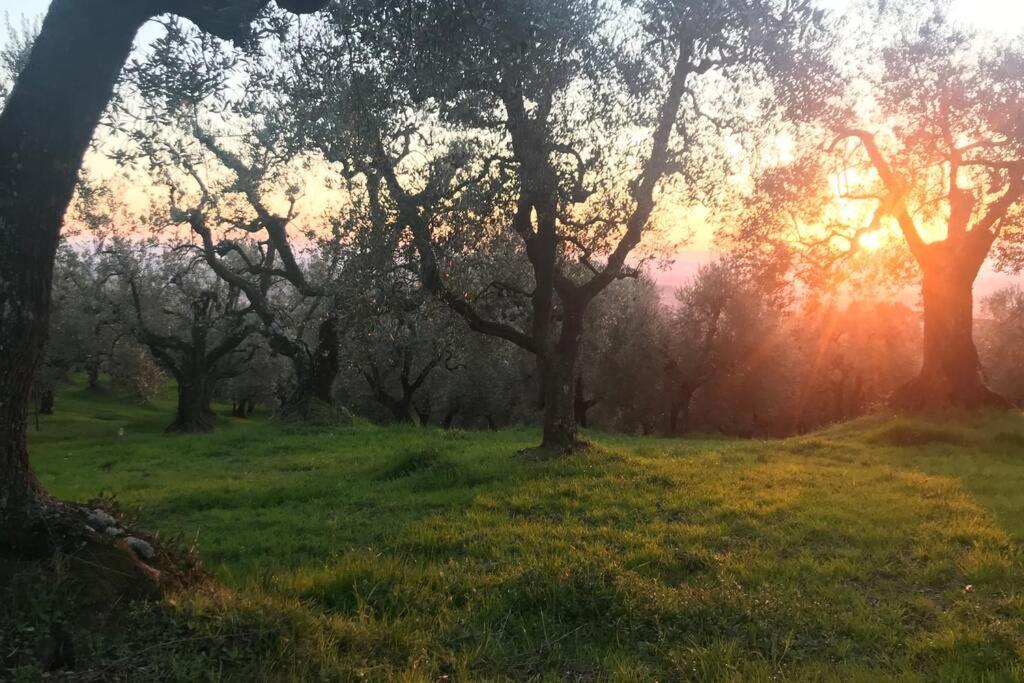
<point>881,548</point>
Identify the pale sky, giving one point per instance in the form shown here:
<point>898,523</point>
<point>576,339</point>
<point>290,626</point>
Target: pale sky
<point>1006,16</point>
<point>30,8</point>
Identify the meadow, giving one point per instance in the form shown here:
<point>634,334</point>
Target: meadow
<point>880,549</point>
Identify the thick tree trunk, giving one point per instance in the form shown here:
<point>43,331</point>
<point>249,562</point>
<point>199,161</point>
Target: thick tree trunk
<point>679,411</point>
<point>583,404</point>
<point>559,405</point>
<point>296,402</point>
<point>314,377</point>
<point>19,487</point>
<point>193,415</point>
<point>950,374</point>
<point>45,129</point>
<point>402,409</point>
<point>559,385</point>
<point>325,362</point>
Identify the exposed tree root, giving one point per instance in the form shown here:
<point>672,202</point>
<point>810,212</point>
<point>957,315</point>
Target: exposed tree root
<point>930,393</point>
<point>107,558</point>
<point>74,581</point>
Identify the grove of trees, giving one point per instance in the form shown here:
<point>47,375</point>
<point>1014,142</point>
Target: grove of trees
<point>454,213</point>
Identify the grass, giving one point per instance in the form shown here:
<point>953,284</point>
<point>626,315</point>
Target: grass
<point>373,553</point>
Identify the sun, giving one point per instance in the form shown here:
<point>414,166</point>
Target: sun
<point>871,241</point>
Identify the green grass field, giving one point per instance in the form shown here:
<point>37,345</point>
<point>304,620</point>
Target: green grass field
<point>374,553</point>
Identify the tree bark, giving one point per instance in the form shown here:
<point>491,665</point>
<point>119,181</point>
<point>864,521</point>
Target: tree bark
<point>559,380</point>
<point>46,402</point>
<point>402,409</point>
<point>583,404</point>
<point>679,411</point>
<point>92,369</point>
<point>314,376</point>
<point>193,415</point>
<point>325,362</point>
<point>951,372</point>
<point>45,129</point>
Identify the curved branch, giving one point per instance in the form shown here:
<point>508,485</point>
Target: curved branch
<point>654,170</point>
<point>894,204</point>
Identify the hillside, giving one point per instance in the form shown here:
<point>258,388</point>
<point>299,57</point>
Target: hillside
<point>879,548</point>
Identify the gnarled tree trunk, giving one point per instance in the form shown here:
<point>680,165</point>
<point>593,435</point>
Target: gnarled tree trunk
<point>45,129</point>
<point>325,365</point>
<point>314,374</point>
<point>559,384</point>
<point>951,372</point>
<point>194,415</point>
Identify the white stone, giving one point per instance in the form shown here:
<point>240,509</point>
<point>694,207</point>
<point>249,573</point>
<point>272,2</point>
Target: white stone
<point>141,548</point>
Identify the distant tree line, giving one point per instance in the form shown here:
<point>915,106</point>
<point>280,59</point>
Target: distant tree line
<point>721,354</point>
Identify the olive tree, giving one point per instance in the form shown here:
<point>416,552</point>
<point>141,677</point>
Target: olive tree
<point>205,120</point>
<point>922,167</point>
<point>549,130</point>
<point>195,326</point>
<point>47,123</point>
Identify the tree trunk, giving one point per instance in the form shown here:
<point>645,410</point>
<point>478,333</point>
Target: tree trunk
<point>45,130</point>
<point>193,415</point>
<point>325,362</point>
<point>92,369</point>
<point>449,416</point>
<point>559,384</point>
<point>402,409</point>
<point>46,402</point>
<point>314,377</point>
<point>422,415</point>
<point>679,411</point>
<point>242,408</point>
<point>950,374</point>
<point>583,404</point>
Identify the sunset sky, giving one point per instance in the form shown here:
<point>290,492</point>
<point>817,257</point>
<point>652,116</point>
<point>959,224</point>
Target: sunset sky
<point>1006,16</point>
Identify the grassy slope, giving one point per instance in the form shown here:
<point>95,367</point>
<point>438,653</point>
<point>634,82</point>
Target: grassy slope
<point>399,552</point>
